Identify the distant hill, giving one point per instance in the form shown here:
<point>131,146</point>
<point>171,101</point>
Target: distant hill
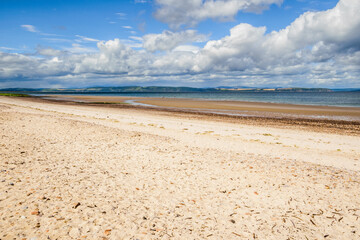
<point>346,89</point>
<point>248,89</point>
<point>159,89</point>
<point>131,89</point>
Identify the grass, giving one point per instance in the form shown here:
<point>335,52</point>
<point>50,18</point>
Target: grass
<point>14,95</point>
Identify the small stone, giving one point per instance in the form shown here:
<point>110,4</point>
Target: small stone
<point>35,212</point>
<point>74,233</point>
<point>78,204</point>
<point>107,232</point>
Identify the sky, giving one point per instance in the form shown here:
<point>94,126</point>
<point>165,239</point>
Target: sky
<point>195,43</point>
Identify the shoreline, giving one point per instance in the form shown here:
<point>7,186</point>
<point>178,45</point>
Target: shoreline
<point>279,120</point>
<point>84,96</point>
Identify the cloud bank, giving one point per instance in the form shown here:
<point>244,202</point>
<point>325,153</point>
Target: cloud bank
<point>190,12</point>
<point>168,40</point>
<point>317,49</point>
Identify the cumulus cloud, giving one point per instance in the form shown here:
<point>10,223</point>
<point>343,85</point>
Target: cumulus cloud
<point>113,58</point>
<point>310,38</point>
<point>187,48</point>
<point>49,52</point>
<point>317,49</point>
<point>18,66</point>
<point>133,42</point>
<point>190,12</point>
<point>168,40</point>
<point>79,49</point>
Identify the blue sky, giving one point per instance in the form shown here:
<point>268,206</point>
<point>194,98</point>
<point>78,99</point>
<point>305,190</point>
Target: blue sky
<point>81,43</point>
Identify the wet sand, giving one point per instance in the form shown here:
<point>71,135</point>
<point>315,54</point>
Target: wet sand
<point>239,108</point>
<point>93,171</point>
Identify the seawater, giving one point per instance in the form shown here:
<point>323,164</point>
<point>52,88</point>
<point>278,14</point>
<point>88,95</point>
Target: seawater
<point>342,99</point>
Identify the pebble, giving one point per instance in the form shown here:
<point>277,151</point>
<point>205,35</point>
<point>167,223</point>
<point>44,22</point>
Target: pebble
<point>107,232</point>
<point>35,212</point>
<point>74,233</point>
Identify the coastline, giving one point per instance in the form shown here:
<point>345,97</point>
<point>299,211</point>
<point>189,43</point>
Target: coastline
<point>343,120</point>
<point>116,171</point>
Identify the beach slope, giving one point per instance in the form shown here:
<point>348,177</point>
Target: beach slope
<point>97,172</point>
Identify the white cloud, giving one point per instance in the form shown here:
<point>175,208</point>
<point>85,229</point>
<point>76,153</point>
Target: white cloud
<point>168,40</point>
<point>310,38</point>
<point>30,28</point>
<point>58,40</point>
<point>79,49</point>
<point>121,15</point>
<point>10,49</point>
<point>131,43</point>
<point>187,48</point>
<point>237,51</point>
<point>127,27</point>
<point>49,52</point>
<point>139,39</point>
<point>317,49</point>
<point>87,39</point>
<point>190,12</point>
<point>113,58</point>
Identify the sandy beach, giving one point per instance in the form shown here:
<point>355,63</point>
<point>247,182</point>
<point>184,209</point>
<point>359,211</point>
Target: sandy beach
<point>107,171</point>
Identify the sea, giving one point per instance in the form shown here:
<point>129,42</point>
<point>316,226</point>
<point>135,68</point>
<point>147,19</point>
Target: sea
<point>341,99</point>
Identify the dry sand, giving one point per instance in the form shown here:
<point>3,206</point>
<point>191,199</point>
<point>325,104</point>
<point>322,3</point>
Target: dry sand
<point>70,171</point>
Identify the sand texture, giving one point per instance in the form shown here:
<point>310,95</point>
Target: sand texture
<point>95,172</point>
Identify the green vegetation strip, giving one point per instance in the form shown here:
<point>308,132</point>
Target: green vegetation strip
<point>14,95</point>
